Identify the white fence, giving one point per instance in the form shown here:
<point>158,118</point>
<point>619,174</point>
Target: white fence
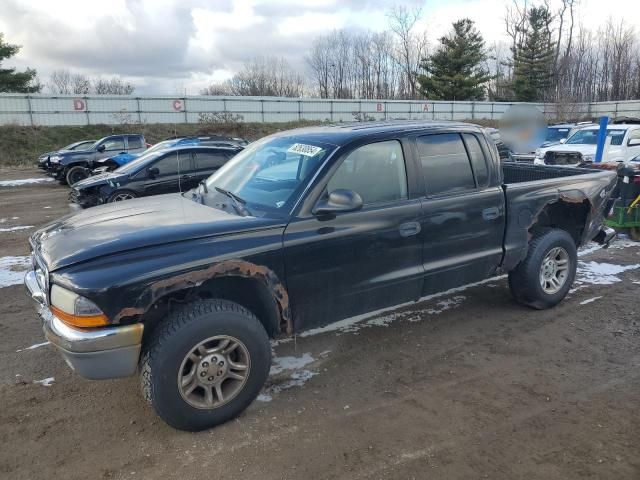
<point>104,109</point>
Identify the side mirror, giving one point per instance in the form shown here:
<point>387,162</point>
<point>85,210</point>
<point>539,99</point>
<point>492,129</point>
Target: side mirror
<point>101,148</point>
<point>634,142</point>
<point>339,201</point>
<point>153,171</point>
<point>563,140</point>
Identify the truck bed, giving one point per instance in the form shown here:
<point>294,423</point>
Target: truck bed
<point>528,189</point>
<point>513,172</point>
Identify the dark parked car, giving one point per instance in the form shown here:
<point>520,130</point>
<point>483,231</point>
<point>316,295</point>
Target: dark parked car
<point>300,229</point>
<point>76,146</point>
<point>111,163</point>
<point>176,169</point>
<point>70,166</point>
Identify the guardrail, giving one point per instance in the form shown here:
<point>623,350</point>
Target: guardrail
<point>114,110</point>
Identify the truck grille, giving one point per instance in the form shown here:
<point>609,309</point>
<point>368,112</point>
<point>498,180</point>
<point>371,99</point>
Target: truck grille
<point>563,158</point>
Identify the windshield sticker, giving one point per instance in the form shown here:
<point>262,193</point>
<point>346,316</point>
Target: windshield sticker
<point>303,149</point>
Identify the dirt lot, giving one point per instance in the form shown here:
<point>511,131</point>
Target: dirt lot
<point>464,385</point>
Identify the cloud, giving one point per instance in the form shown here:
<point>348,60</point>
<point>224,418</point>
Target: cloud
<point>167,45</point>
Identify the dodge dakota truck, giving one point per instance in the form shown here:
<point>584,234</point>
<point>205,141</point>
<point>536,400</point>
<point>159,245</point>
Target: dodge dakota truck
<point>301,229</point>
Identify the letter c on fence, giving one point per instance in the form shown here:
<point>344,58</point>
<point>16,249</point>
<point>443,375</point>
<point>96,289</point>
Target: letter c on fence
<point>425,108</point>
<point>78,104</point>
<point>380,107</point>
<point>177,105</point>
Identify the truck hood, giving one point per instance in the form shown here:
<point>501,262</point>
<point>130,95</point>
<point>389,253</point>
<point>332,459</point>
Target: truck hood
<point>138,223</point>
<point>584,149</point>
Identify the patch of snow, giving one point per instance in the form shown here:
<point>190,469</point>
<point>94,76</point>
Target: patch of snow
<point>589,300</point>
<point>15,218</point>
<point>281,364</point>
<point>34,346</point>
<point>2,220</point>
<point>12,270</point>
<point>46,207</point>
<point>446,304</point>
<point>23,181</point>
<point>263,397</point>
<point>595,273</point>
<point>590,249</point>
<point>297,379</point>
<point>13,229</point>
<point>47,382</point>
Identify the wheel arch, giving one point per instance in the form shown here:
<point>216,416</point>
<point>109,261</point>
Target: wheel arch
<point>568,213</point>
<point>255,287</point>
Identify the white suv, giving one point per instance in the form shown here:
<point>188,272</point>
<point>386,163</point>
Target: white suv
<point>622,144</point>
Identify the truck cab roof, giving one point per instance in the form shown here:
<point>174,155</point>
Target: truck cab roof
<point>341,134</point>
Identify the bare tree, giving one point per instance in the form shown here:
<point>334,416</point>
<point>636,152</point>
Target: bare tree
<point>216,89</point>
<point>112,86</point>
<point>262,76</point>
<point>411,47</point>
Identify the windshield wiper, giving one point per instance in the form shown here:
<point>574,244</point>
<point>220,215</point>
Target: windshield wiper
<point>238,202</point>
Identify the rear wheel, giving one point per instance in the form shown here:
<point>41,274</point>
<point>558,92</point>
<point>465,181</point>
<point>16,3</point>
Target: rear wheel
<point>545,276</point>
<point>634,233</point>
<point>75,174</point>
<point>121,195</point>
<point>205,364</point>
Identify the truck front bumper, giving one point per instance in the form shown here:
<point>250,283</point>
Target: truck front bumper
<point>94,353</point>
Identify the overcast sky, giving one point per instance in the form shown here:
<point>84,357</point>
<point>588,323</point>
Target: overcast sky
<point>170,46</point>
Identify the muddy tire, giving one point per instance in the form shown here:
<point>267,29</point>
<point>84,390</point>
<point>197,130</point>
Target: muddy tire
<point>545,276</point>
<point>76,174</point>
<point>204,364</point>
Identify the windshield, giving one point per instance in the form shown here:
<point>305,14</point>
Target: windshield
<point>590,137</point>
<point>79,145</point>
<point>556,134</point>
<point>269,173</point>
<point>160,146</point>
<point>139,162</point>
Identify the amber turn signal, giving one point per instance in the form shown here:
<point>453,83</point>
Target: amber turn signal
<point>81,321</point>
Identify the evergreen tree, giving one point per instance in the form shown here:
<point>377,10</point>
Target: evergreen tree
<point>456,71</point>
<point>533,60</point>
<point>12,81</point>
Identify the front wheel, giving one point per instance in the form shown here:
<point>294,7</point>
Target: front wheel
<point>121,196</point>
<point>76,174</point>
<point>205,364</point>
<point>545,276</point>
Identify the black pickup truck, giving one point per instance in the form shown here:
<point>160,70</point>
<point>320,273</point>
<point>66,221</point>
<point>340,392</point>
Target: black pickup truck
<point>301,229</point>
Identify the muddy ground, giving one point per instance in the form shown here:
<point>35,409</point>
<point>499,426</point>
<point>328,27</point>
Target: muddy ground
<point>465,385</point>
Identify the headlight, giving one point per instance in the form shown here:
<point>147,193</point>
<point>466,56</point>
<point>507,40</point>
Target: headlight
<point>75,310</point>
<point>587,158</point>
<point>55,158</point>
<point>538,153</point>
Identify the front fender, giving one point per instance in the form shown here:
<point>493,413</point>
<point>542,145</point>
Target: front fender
<point>128,284</point>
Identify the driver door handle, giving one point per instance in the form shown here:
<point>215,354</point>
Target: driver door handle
<point>410,228</point>
<point>491,213</point>
<point>186,177</point>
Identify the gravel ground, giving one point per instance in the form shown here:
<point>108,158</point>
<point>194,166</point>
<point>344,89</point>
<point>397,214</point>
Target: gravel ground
<point>464,385</point>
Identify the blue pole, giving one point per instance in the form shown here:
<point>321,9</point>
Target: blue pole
<point>602,136</point>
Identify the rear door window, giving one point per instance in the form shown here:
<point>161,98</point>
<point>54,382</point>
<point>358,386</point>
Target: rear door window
<point>210,160</point>
<point>478,160</point>
<point>134,142</point>
<point>445,164</point>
